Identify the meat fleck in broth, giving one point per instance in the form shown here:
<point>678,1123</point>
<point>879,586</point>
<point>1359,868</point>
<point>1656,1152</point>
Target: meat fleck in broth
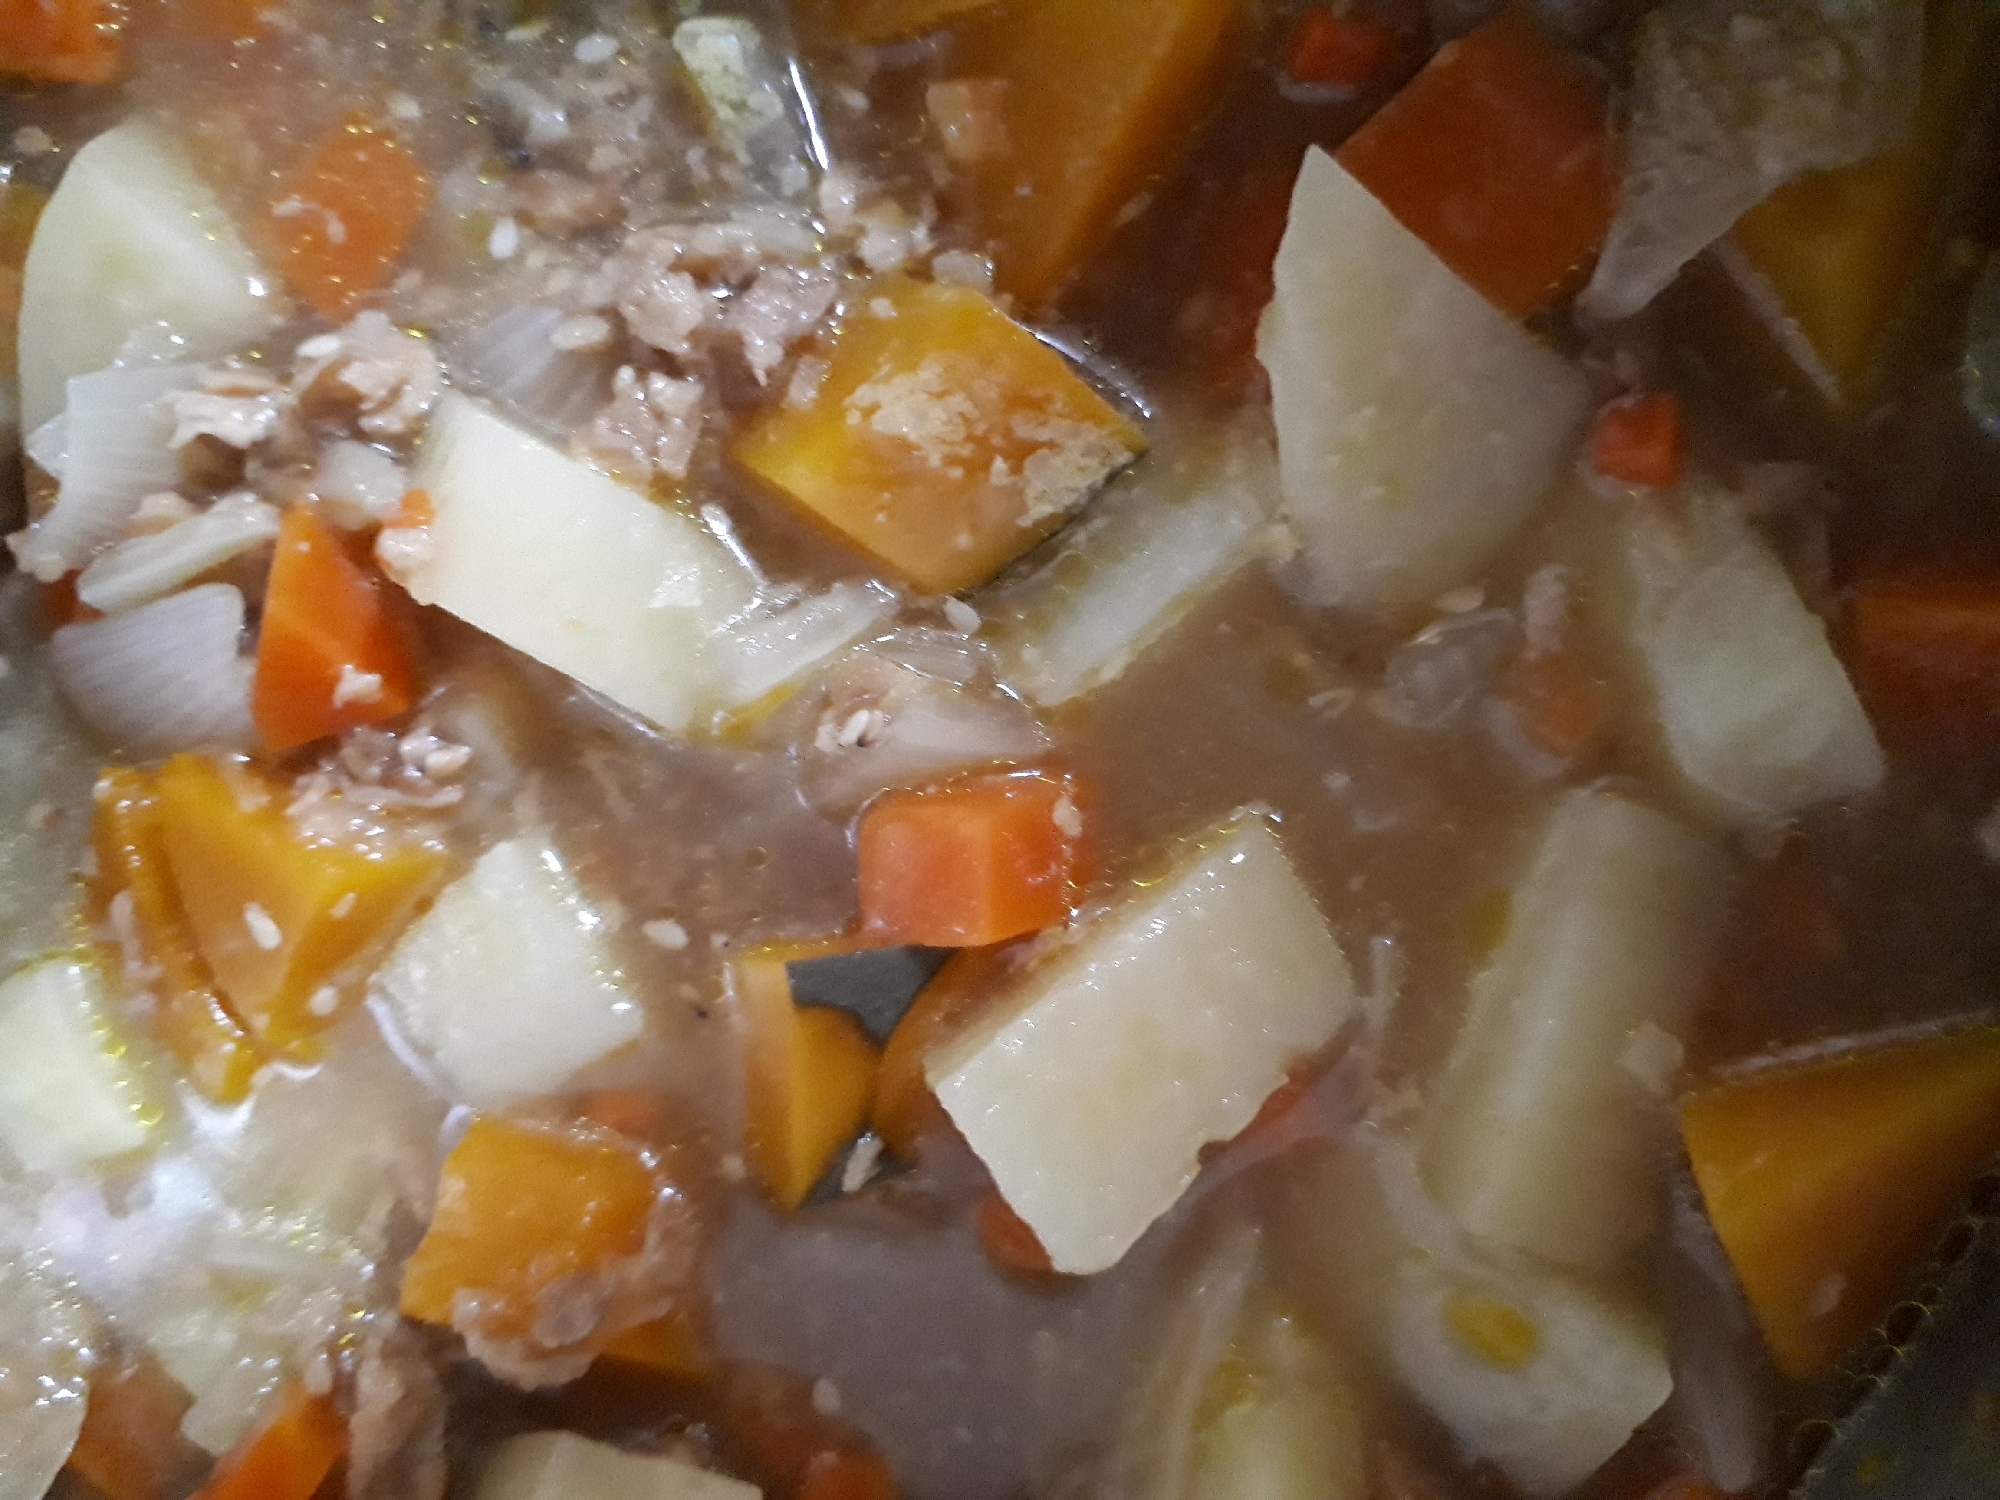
<point>986,749</point>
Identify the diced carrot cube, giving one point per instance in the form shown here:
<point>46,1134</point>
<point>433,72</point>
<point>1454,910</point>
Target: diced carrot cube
<point>777,1431</point>
<point>333,648</point>
<point>1828,1181</point>
<point>280,918</point>
<point>945,439</point>
<point>1100,100</point>
<point>137,887</point>
<point>520,1211</point>
<point>905,1110</point>
<point>1926,653</point>
<point>62,41</point>
<point>1337,51</point>
<point>1637,440</point>
<point>972,863</point>
<point>1006,1238</point>
<point>288,1458</point>
<point>847,1475</point>
<point>1498,156</point>
<point>131,1447</point>
<point>1562,709</point>
<point>810,1076</point>
<point>343,218</point>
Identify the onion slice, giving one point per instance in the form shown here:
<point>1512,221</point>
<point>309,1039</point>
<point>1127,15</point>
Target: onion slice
<point>146,567</point>
<point>163,677</point>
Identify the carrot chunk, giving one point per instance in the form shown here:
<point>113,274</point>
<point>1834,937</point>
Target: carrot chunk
<point>971,863</point>
<point>521,1211</point>
<point>1827,1182</point>
<point>1340,52</point>
<point>1498,156</point>
<point>288,1458</point>
<point>1098,103</point>
<point>945,439</point>
<point>1006,1238</point>
<point>62,41</point>
<point>847,1475</point>
<point>332,651</point>
<point>137,891</point>
<point>341,221</point>
<point>279,918</point>
<point>1638,441</point>
<point>810,1077</point>
<point>1562,709</point>
<point>1926,653</point>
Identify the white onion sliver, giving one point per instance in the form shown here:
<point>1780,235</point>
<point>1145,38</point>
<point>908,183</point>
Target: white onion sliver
<point>509,358</point>
<point>146,567</point>
<point>48,446</point>
<point>116,454</point>
<point>163,677</point>
<point>757,655</point>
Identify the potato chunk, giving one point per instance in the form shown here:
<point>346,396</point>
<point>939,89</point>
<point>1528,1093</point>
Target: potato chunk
<point>1090,1091</point>
<point>945,439</point>
<point>1417,423</point>
<point>563,1466</point>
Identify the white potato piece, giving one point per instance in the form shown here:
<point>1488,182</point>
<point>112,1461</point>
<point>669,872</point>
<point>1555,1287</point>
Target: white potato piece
<point>1537,1135</point>
<point>1162,538</point>
<point>1157,1028</point>
<point>1417,424</point>
<point>507,984</point>
<point>566,564</point>
<point>70,1095</point>
<point>1532,1371</point>
<point>1756,710</point>
<point>563,1466</point>
<point>132,242</point>
<point>44,1364</point>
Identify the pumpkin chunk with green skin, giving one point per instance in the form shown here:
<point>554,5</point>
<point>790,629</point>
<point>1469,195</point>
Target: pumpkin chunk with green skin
<point>945,439</point>
<point>1827,1182</point>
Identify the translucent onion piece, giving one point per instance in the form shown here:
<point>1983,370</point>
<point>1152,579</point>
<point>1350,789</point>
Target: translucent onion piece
<point>760,653</point>
<point>147,567</point>
<point>166,676</point>
<point>1733,98</point>
<point>44,1333</point>
<point>115,453</point>
<point>509,358</point>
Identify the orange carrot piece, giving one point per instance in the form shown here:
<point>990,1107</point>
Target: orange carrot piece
<point>131,1447</point>
<point>1498,156</point>
<point>1561,708</point>
<point>287,1459</point>
<point>519,1210</point>
<point>343,218</point>
<point>333,651</point>
<point>847,1475</point>
<point>1638,441</point>
<point>970,863</point>
<point>62,41</point>
<point>189,1016</point>
<point>1006,1238</point>
<point>1339,52</point>
<point>905,1110</point>
<point>1926,653</point>
<point>775,1430</point>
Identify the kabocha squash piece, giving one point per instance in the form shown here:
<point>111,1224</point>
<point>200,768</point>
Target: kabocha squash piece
<point>62,41</point>
<point>1498,156</point>
<point>333,650</point>
<point>341,220</point>
<point>137,886</point>
<point>970,863</point>
<point>676,1346</point>
<point>289,1457</point>
<point>810,1076</point>
<point>945,439</point>
<point>1096,103</point>
<point>1827,1181</point>
<point>278,916</point>
<point>905,1110</point>
<point>1830,262</point>
<point>522,1212</point>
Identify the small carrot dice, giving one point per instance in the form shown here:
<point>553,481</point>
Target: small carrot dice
<point>945,439</point>
<point>1339,52</point>
<point>279,917</point>
<point>343,218</point>
<point>1926,656</point>
<point>1006,1238</point>
<point>1498,156</point>
<point>971,863</point>
<point>520,1211</point>
<point>62,41</point>
<point>1638,441</point>
<point>288,1458</point>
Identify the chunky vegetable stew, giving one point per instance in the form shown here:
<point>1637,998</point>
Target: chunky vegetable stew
<point>987,749</point>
